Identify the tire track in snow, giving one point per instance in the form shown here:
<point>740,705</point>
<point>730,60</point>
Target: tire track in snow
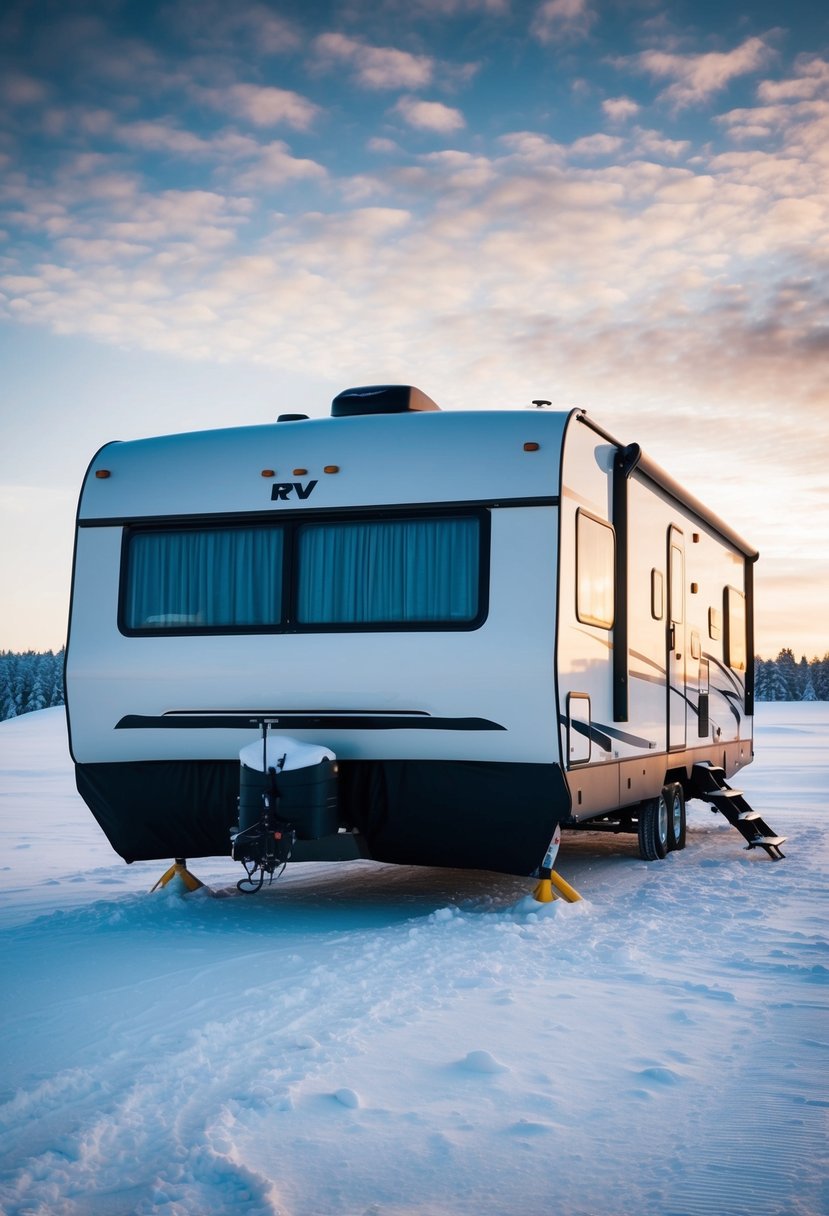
<point>137,1114</point>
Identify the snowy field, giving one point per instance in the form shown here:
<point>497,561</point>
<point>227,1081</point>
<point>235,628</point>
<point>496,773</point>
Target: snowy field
<point>364,1039</point>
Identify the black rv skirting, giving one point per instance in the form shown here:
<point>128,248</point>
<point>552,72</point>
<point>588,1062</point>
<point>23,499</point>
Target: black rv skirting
<point>157,809</point>
<point>465,814</point>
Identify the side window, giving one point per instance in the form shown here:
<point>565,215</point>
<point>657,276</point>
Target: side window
<point>735,628</point>
<point>595,562</point>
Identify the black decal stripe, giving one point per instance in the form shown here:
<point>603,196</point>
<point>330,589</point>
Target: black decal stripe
<point>647,678</point>
<point>725,693</point>
<point>244,721</point>
<point>643,658</point>
<point>353,509</point>
<point>624,737</point>
<point>605,734</point>
<point>726,671</point>
<point>732,700</point>
<point>589,731</point>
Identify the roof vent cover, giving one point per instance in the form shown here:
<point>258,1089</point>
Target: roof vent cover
<point>381,399</point>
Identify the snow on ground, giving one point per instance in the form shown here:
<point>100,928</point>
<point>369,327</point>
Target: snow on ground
<point>365,1039</point>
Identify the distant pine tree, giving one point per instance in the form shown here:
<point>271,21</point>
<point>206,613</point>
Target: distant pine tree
<point>777,687</point>
<point>56,693</point>
<point>786,665</point>
<point>820,677</point>
<point>761,680</point>
<point>803,678</point>
<point>809,693</point>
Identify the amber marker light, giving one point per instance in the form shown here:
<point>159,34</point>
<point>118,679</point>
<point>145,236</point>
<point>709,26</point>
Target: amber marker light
<point>102,474</point>
<point>331,468</point>
<point>300,472</point>
<point>531,447</point>
<point>269,472</point>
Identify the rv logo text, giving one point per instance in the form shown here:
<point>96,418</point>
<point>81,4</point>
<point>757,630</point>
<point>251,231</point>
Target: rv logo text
<point>284,490</point>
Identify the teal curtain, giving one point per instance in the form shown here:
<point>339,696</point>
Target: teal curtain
<point>227,577</point>
<point>393,571</point>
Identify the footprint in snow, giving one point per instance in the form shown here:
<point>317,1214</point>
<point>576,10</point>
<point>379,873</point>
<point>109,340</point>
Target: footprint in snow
<point>531,1127</point>
<point>660,1076</point>
<point>482,1061</point>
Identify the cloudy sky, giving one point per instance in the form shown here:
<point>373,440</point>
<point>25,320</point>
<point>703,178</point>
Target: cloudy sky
<point>212,212</point>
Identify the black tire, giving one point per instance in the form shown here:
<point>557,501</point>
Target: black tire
<point>676,816</point>
<point>653,828</point>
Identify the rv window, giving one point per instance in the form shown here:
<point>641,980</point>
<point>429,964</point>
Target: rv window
<point>203,579</point>
<point>735,629</point>
<point>388,571</point>
<point>595,558</point>
<point>425,572</point>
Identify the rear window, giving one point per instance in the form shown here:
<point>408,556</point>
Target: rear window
<point>204,579</point>
<point>424,572</point>
<point>387,571</point>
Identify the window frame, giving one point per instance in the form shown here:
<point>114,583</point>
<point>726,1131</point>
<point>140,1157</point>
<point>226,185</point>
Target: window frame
<point>290,525</point>
<point>730,595</point>
<point>589,618</point>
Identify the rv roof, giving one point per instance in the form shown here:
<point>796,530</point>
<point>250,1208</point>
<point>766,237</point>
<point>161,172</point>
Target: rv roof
<point>369,460</point>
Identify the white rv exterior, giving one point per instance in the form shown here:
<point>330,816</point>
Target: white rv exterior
<point>596,649</point>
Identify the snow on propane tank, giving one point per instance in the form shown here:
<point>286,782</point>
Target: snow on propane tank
<point>287,791</point>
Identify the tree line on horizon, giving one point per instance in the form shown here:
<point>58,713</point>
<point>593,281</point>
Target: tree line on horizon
<point>31,680</point>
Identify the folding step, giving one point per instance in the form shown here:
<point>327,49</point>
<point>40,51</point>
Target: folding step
<point>713,788</point>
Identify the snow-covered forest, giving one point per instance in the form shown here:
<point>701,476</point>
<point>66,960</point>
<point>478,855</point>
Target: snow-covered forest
<point>784,679</point>
<point>29,680</point>
<point>33,680</point>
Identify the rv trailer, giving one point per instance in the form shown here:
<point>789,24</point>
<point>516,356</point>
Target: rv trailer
<point>419,636</point>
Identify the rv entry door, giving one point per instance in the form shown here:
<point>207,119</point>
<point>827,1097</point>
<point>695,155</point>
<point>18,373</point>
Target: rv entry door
<point>675,639</point>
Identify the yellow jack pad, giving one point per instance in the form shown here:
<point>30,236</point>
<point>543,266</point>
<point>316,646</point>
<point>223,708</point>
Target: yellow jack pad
<point>178,870</point>
<point>544,893</point>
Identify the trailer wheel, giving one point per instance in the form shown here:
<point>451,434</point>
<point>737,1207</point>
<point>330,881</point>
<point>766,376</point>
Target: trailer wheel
<point>653,828</point>
<point>676,816</point>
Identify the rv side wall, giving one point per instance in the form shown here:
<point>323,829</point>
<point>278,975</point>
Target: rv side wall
<point>686,693</point>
